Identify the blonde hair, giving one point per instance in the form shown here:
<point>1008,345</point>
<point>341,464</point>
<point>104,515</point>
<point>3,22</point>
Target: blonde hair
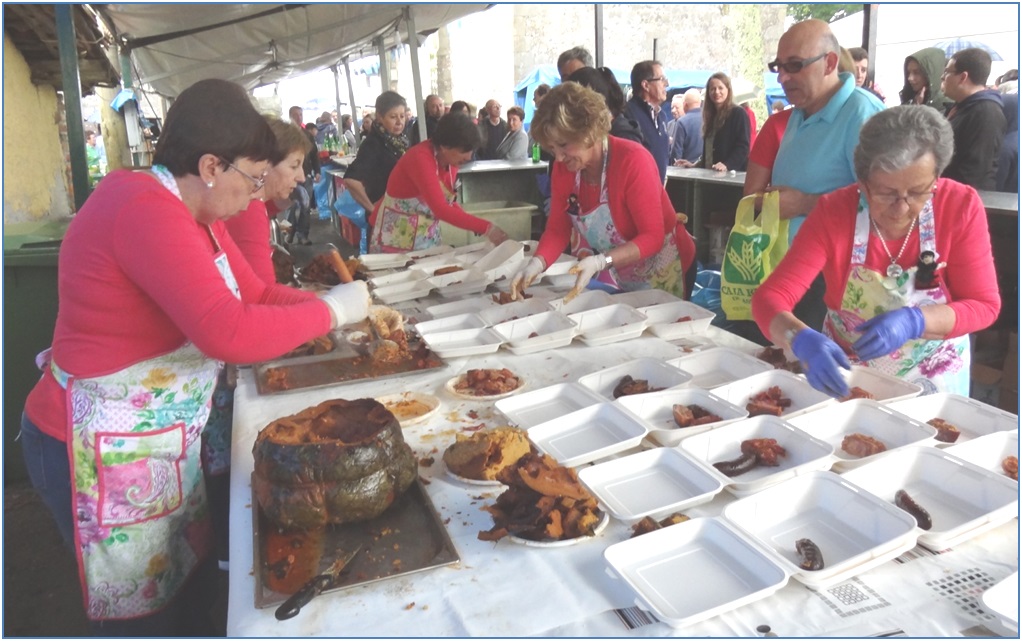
<point>290,138</point>
<point>571,113</point>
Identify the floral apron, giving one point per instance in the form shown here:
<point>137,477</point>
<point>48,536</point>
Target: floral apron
<point>595,231</point>
<point>408,224</point>
<point>141,520</point>
<point>937,365</point>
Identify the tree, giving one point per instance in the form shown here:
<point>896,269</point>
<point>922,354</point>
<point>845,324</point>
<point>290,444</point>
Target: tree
<point>825,12</point>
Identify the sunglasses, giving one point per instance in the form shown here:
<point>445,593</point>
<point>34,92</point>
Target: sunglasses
<point>794,66</point>
<point>257,183</point>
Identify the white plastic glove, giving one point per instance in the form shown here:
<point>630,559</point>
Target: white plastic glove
<point>585,269</point>
<point>495,235</point>
<point>348,302</point>
<point>526,276</point>
<point>386,320</point>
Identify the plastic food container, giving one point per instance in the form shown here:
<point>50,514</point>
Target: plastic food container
<point>962,499</point>
<point>561,265</point>
<point>804,398</point>
<point>657,410</point>
<point>501,260</point>
<point>587,300</point>
<point>1002,600</point>
<point>854,530</point>
<point>805,454</point>
<point>652,483</point>
<point>645,298</point>
<point>460,283</point>
<point>404,276</point>
<point>463,342</point>
<point>547,330</point>
<point>883,387</point>
<point>988,451</point>
<point>972,418</point>
<point>373,262</point>
<point>609,324</point>
<point>474,304</point>
<point>694,570</point>
<point>588,434</point>
<point>433,263</point>
<point>450,323</point>
<point>663,319</point>
<point>512,311</point>
<point>401,292</point>
<point>833,424</point>
<point>482,246</point>
<point>656,372</point>
<point>719,366</point>
<point>438,250</point>
<point>547,403</point>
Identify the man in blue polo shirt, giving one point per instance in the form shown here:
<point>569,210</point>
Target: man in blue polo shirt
<point>649,91</point>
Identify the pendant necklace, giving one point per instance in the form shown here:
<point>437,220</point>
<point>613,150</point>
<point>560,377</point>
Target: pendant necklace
<point>894,269</point>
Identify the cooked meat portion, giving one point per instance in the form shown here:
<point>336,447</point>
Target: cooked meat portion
<point>692,415</point>
<point>770,401</point>
<point>946,432</point>
<point>488,382</point>
<point>861,445</point>
<point>629,386</point>
<point>858,392</point>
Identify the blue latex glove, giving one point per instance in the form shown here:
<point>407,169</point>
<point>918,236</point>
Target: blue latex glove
<point>885,333</point>
<point>821,358</point>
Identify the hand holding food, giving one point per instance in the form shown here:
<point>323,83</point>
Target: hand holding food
<point>348,302</point>
<point>821,358</point>
<point>495,234</point>
<point>885,333</point>
<point>526,277</point>
<point>585,269</point>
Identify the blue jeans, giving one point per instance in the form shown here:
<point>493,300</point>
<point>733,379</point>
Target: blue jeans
<point>187,615</point>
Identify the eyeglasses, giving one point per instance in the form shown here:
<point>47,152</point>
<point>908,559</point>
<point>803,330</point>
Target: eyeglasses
<point>794,66</point>
<point>912,198</point>
<point>257,183</point>
<point>657,79</point>
<point>948,72</point>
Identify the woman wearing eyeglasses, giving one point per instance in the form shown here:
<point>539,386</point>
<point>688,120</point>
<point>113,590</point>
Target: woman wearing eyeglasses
<point>923,71</point>
<point>726,129</point>
<point>606,203</point>
<point>906,258</point>
<point>153,296</point>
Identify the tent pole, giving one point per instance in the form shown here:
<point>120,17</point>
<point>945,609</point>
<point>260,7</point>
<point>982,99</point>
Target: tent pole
<point>72,86</point>
<point>413,43</point>
<point>351,97</point>
<point>381,51</point>
<point>599,35</point>
<point>869,37</point>
<point>337,94</point>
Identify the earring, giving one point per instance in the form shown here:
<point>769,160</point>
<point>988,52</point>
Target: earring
<point>209,184</point>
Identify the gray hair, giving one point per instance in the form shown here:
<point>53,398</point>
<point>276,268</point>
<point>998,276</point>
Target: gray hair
<point>575,53</point>
<point>895,138</point>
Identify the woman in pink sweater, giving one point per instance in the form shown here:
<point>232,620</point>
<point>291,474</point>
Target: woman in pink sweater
<point>153,296</point>
<point>906,258</point>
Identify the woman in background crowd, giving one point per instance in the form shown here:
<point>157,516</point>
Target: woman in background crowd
<point>366,177</point>
<point>726,129</point>
<point>515,145</point>
<point>923,71</point>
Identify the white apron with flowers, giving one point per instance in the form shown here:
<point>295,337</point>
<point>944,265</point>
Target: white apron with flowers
<point>936,365</point>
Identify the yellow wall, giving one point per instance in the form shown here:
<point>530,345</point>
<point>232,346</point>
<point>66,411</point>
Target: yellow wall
<point>35,185</point>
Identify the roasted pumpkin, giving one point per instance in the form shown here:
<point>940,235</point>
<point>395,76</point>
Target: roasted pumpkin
<point>338,462</point>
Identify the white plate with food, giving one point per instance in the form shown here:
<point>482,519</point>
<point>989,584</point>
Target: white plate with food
<point>600,527</point>
<point>410,408</point>
<point>468,481</point>
<point>462,387</point>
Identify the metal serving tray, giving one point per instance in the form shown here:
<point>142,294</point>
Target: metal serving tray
<point>409,537</point>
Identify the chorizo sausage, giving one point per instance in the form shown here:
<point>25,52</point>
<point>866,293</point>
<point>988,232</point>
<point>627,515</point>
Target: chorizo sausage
<point>907,503</point>
<point>809,554</point>
<point>740,465</point>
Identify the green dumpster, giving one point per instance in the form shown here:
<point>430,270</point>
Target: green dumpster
<point>30,313</point>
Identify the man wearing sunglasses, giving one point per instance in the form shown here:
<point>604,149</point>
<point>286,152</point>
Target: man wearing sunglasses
<point>815,152</point>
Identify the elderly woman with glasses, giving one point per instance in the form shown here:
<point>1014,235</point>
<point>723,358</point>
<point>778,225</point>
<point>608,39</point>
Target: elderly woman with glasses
<point>154,295</point>
<point>606,203</point>
<point>906,258</point>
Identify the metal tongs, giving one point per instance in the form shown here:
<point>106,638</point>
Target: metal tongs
<point>315,586</point>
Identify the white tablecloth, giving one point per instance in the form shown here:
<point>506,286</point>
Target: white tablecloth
<point>506,589</point>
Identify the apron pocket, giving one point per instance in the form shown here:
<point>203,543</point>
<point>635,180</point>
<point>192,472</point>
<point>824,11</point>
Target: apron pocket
<point>398,229</point>
<point>139,474</point>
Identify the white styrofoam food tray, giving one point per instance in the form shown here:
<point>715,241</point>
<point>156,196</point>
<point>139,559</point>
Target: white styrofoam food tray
<point>588,434</point>
<point>435,263</point>
<point>461,283</point>
<point>657,373</point>
<point>551,329</point>
<point>546,404</point>
<point>468,305</point>
<point>972,418</point>
<point>803,397</point>
<point>438,250</point>
<point>805,454</point>
<point>657,410</point>
<point>893,429</point>
<point>645,298</point>
<point>450,323</point>
<point>401,292</point>
<point>652,483</point>
<point>719,366</point>
<point>609,324</point>
<point>372,262</point>
<point>561,265</point>
<point>962,499</point>
<point>694,570</point>
<point>854,530</point>
<point>884,387</point>
<point>496,262</point>
<point>483,246</point>
<point>1002,600</point>
<point>988,451</point>
<point>403,276</point>
<point>463,342</point>
<point>589,299</point>
<point>519,309</point>
<point>663,319</point>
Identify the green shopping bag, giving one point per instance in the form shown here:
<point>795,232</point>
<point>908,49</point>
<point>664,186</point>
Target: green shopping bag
<point>754,248</point>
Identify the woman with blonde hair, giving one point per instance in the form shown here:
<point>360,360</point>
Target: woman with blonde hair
<point>726,129</point>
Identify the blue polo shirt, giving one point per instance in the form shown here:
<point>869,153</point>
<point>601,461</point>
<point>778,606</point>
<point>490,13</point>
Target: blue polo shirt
<point>654,132</point>
<point>816,152</point>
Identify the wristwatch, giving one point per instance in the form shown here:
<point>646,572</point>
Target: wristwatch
<point>608,261</point>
